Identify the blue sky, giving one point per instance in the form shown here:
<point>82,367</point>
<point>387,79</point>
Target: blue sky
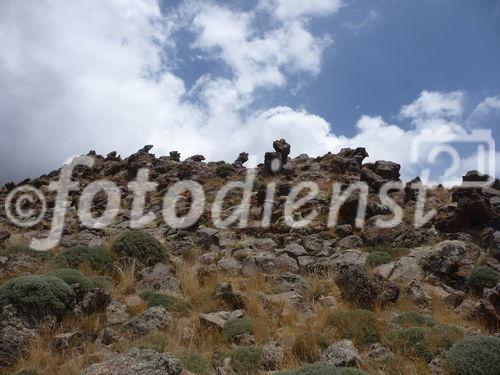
<point>220,77</point>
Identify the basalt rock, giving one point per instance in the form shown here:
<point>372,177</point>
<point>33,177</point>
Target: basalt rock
<point>282,148</point>
<point>137,362</point>
<point>363,289</point>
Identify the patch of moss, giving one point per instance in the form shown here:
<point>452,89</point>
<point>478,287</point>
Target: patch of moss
<point>414,319</point>
<point>378,258</point>
<point>236,327</point>
<point>141,246</point>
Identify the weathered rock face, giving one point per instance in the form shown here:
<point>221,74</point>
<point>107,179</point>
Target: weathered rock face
<point>488,308</point>
<point>364,290</point>
<point>472,207</point>
<point>154,318</point>
<point>450,262</point>
<point>137,362</point>
<point>241,159</point>
<point>341,354</point>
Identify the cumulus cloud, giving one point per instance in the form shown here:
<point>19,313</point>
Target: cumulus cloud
<point>103,77</point>
<point>290,9</point>
<point>435,105</point>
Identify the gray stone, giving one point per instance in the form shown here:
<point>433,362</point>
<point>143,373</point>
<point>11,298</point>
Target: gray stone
<point>218,319</point>
<point>229,264</point>
<point>350,242</point>
<point>154,318</point>
<point>116,313</point>
<point>341,354</point>
<point>137,362</point>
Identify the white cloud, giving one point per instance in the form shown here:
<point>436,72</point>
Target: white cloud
<point>432,104</point>
<point>487,106</point>
<point>288,9</point>
<point>100,77</point>
<point>256,60</point>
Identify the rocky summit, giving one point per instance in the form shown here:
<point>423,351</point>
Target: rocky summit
<point>307,277</point>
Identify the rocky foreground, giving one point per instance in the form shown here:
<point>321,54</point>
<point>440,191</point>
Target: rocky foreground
<point>256,300</point>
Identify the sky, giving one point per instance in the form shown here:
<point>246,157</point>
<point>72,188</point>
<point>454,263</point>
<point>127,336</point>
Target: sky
<point>221,77</point>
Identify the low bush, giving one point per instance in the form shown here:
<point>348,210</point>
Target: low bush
<point>197,364</point>
<point>475,355</point>
<point>236,327</point>
<point>245,360</point>
<point>39,295</point>
<point>414,319</point>
<point>141,246</point>
<point>26,250</point>
<point>425,342</point>
<point>96,257</point>
<point>75,279</point>
<point>377,258</point>
<point>360,326</point>
<point>171,303</point>
<point>482,277</point>
<point>322,369</point>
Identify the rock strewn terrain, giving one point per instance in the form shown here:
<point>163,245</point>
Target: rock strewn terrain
<point>312,300</point>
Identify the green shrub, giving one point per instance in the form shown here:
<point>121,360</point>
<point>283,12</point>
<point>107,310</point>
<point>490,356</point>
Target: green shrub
<point>358,325</point>
<point>75,279</point>
<point>482,277</point>
<point>101,281</point>
<point>377,258</point>
<point>141,246</point>
<point>171,303</point>
<point>197,364</point>
<point>245,360</point>
<point>40,295</point>
<point>225,170</point>
<point>236,327</point>
<point>97,257</point>
<point>414,319</point>
<point>322,369</point>
<point>425,342</point>
<point>475,355</point>
<point>23,249</point>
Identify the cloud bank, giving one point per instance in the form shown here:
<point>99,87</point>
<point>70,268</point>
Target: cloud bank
<point>76,77</point>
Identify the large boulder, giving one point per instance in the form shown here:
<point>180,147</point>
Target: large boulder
<point>14,343</point>
<point>450,261</point>
<point>363,289</point>
<point>488,308</point>
<point>137,362</point>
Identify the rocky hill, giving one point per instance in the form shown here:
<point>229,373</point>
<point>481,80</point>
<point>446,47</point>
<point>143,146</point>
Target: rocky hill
<point>261,298</point>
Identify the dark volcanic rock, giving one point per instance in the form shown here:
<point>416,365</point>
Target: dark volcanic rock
<point>363,289</point>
